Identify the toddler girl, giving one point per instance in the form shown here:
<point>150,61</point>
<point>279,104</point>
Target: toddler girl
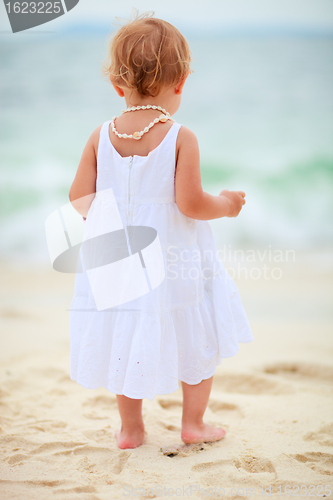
<point>185,324</point>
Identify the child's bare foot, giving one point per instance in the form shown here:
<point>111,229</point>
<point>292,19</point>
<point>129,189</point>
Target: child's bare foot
<point>201,433</point>
<point>130,440</point>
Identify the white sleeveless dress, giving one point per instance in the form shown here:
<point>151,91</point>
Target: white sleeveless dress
<point>182,328</point>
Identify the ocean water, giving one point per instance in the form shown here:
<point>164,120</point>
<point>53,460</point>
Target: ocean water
<point>262,109</point>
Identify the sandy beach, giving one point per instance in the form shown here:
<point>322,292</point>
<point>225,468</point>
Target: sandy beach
<point>274,398</point>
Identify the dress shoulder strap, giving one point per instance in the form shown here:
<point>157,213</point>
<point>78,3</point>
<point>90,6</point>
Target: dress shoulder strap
<point>171,136</point>
<point>167,148</point>
<point>103,146</point>
<point>104,139</point>
<point>170,139</point>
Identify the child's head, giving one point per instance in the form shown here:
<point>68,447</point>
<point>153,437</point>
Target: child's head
<point>148,55</point>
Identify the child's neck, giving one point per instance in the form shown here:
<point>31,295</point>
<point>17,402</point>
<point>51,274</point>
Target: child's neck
<point>168,100</point>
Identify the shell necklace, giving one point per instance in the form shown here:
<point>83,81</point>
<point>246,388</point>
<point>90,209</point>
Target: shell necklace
<point>137,135</point>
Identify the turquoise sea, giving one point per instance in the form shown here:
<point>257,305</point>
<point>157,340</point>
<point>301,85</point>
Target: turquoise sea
<point>262,108</point>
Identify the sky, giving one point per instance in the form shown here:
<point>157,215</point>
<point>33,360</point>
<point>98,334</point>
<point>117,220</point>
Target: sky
<point>210,14</point>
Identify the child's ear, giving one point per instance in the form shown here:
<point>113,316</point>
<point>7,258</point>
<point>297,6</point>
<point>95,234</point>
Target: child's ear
<point>119,90</point>
<point>179,87</point>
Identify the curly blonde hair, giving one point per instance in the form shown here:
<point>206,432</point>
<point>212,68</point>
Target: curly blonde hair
<point>147,54</point>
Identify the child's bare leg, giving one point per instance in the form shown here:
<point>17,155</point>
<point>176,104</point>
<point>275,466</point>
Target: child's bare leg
<point>195,400</point>
<point>132,432</point>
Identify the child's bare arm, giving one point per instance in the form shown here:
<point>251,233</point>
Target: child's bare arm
<point>190,197</point>
<point>83,188</point>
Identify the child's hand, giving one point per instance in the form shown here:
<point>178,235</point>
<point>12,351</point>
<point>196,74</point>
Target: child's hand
<point>236,201</point>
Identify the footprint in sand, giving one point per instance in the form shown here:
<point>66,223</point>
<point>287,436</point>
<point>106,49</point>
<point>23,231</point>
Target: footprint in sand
<point>67,448</point>
<point>77,489</point>
<point>99,434</point>
<point>109,463</point>
<point>208,466</point>
<point>170,404</point>
<point>323,436</point>
<point>18,459</point>
<point>27,482</point>
<point>317,461</point>
<point>248,463</point>
<point>46,426</point>
<point>100,407</point>
<point>225,408</point>
<point>301,371</point>
<point>254,464</point>
<point>102,401</point>
<point>83,450</point>
<point>170,427</point>
<point>183,450</point>
<point>247,383</point>
<point>31,450</point>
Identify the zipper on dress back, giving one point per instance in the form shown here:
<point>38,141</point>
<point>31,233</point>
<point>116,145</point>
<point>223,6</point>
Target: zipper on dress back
<point>129,187</point>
